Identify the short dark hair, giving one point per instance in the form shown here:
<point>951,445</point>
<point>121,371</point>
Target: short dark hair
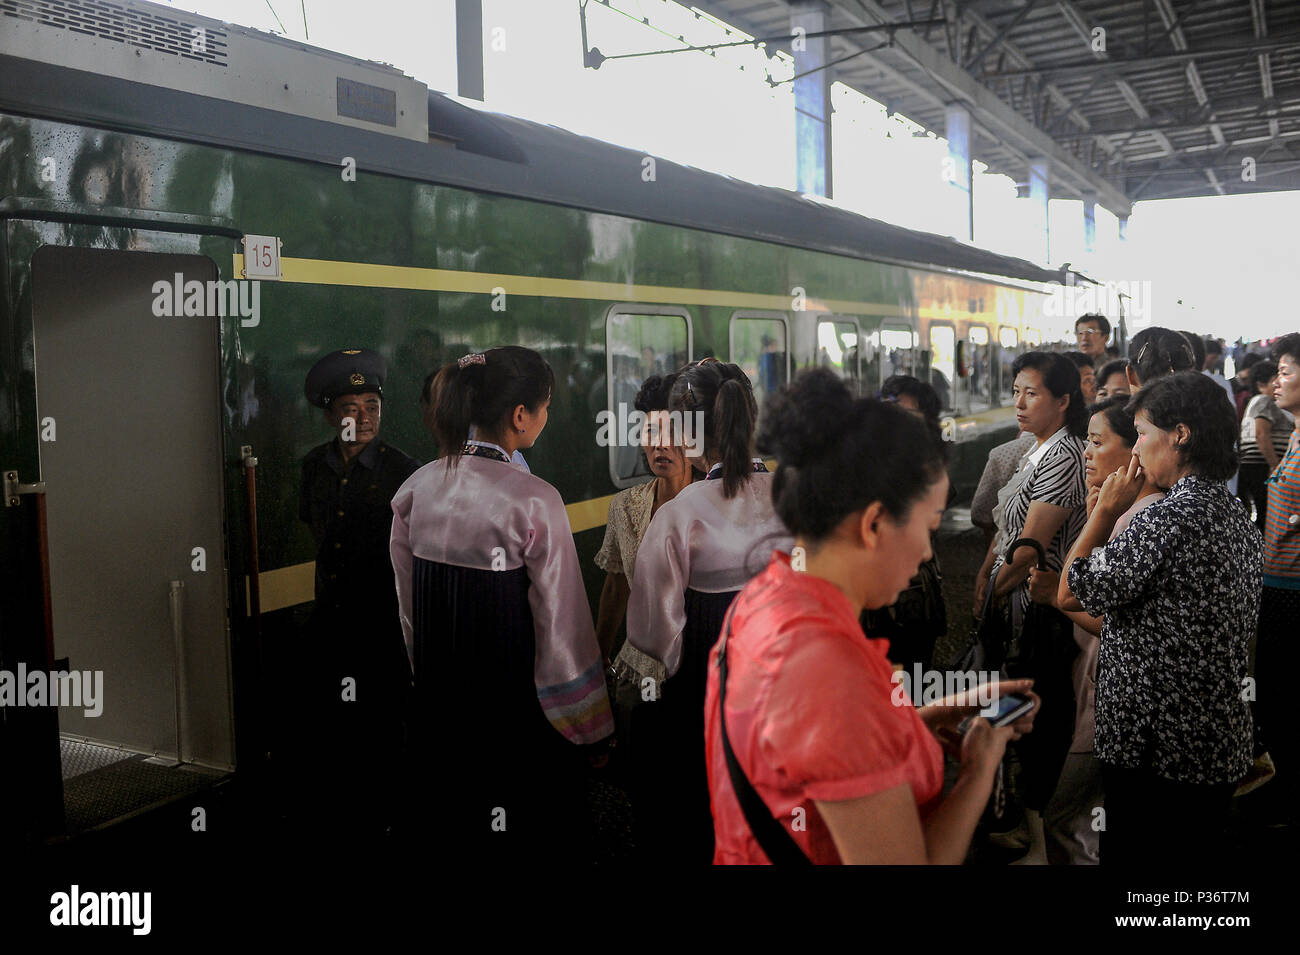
<point>1116,366</point>
<point>1286,345</point>
<point>654,392</point>
<point>1213,346</point>
<point>1248,359</point>
<point>1118,417</point>
<point>1262,372</point>
<point>837,454</point>
<point>1081,361</point>
<point>1197,401</point>
<point>1160,351</point>
<point>927,399</point>
<point>1061,378</point>
<point>1103,325</point>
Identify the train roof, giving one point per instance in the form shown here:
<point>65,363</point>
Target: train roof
<point>168,94</point>
<point>575,170</point>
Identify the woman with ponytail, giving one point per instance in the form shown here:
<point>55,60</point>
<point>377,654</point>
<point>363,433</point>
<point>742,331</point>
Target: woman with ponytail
<point>509,680</point>
<point>818,755</point>
<point>699,550</point>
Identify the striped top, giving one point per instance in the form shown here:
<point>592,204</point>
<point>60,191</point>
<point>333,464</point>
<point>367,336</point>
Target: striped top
<point>1055,477</point>
<point>1262,406</point>
<point>1282,524</point>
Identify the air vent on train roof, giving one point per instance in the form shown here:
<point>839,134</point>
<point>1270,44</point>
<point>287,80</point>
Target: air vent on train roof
<point>156,45</point>
<point>131,25</point>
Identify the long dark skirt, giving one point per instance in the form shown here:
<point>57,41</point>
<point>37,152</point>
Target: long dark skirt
<point>671,789</point>
<point>501,782</point>
<point>349,724</point>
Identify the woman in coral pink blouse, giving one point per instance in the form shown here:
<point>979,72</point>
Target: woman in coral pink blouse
<point>842,762</point>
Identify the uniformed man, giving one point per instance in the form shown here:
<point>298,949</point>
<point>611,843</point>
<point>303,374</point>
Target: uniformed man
<point>358,663</point>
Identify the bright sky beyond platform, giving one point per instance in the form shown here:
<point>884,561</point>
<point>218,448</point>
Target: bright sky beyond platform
<point>1216,264</point>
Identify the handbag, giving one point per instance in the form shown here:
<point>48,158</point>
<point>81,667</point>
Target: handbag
<point>993,635</point>
<point>777,844</point>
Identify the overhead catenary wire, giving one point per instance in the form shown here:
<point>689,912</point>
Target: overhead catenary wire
<point>594,58</point>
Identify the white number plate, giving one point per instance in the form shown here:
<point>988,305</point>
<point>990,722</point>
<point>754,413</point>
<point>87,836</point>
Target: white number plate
<point>261,257</point>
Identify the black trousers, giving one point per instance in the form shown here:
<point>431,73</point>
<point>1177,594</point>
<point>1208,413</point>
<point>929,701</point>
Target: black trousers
<point>1049,655</point>
<point>1151,820</point>
<point>1277,655</point>
<point>1252,488</point>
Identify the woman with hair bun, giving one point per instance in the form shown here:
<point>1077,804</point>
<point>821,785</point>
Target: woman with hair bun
<point>509,680</point>
<point>631,509</point>
<point>699,550</point>
<point>833,762</point>
<point>1155,352</point>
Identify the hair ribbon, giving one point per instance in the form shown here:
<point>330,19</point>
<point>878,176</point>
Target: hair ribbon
<point>478,358</point>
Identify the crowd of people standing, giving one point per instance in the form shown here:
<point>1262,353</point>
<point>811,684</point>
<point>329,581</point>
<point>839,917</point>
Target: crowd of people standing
<point>1151,558</point>
<point>754,700</point>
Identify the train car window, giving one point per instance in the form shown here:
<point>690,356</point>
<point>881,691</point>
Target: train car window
<point>760,345</point>
<point>837,349</point>
<point>898,344</point>
<point>640,341</point>
<point>943,363</point>
<point>980,367</point>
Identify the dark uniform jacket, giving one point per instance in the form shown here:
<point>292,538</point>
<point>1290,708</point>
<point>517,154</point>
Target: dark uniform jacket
<point>350,514</point>
<point>354,631</point>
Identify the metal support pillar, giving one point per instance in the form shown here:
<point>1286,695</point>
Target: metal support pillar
<point>812,98</point>
<point>1038,195</point>
<point>469,49</point>
<point>957,171</point>
<point>1090,222</point>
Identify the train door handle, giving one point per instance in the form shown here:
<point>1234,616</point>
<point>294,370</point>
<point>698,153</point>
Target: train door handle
<point>13,491</point>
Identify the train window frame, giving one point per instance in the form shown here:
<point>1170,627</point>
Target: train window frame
<point>633,309</point>
<point>759,315</point>
<point>835,318</point>
<point>936,323</point>
<point>912,332</point>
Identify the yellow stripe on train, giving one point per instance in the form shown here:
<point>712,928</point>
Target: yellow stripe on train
<point>296,584</point>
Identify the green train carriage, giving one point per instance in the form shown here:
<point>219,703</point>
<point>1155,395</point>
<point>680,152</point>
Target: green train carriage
<point>405,222</point>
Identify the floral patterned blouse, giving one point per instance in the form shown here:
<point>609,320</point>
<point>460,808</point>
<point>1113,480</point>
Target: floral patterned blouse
<point>1180,593</point>
<point>629,516</point>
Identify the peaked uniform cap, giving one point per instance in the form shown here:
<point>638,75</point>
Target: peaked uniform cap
<point>350,371</point>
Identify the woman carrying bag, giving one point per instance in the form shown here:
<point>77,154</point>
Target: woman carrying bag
<point>1043,503</point>
<point>816,756</point>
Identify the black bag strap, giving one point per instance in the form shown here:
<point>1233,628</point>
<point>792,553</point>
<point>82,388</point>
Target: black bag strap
<point>776,843</point>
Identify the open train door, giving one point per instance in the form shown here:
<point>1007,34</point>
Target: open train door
<point>128,401</point>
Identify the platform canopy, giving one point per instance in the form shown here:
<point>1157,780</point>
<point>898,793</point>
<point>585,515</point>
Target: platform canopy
<point>1175,98</point>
